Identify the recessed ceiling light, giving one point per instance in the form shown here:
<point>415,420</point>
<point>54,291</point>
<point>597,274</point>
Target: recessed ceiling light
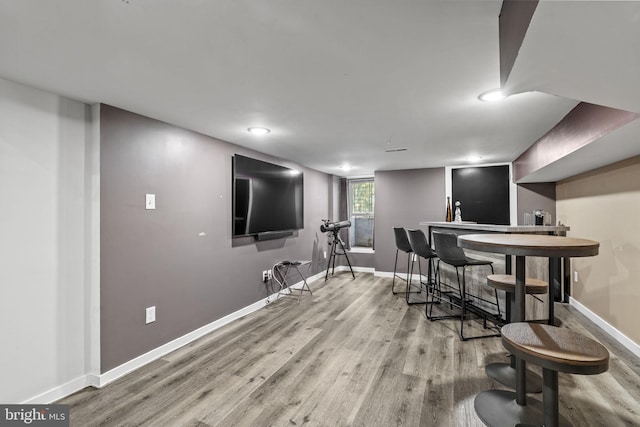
<point>259,131</point>
<point>345,167</point>
<point>474,159</point>
<point>491,95</point>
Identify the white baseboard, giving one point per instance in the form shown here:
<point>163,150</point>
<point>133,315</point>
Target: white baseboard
<point>100,380</point>
<point>157,353</point>
<point>341,268</point>
<point>414,279</point>
<point>608,328</point>
<point>383,274</point>
<point>59,392</point>
<point>97,380</point>
<point>167,348</point>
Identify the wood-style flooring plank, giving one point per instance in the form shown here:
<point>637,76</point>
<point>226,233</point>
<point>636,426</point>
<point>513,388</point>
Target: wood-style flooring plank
<point>282,388</point>
<point>351,354</point>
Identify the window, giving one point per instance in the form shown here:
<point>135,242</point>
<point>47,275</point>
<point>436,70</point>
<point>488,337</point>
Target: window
<point>361,204</point>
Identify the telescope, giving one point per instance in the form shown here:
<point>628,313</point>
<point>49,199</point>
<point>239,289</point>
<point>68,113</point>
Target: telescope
<point>328,226</point>
<point>334,242</point>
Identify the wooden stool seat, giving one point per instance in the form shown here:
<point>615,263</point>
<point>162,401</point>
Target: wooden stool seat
<point>505,373</point>
<point>507,283</point>
<point>555,350</point>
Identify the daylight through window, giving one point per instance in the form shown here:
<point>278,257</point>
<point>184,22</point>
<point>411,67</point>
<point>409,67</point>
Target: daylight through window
<point>361,206</point>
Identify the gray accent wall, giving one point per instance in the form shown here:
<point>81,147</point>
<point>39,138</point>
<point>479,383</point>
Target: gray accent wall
<point>583,125</point>
<point>180,257</point>
<point>404,199</point>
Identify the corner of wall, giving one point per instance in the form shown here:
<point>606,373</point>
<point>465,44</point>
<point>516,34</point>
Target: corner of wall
<point>92,242</point>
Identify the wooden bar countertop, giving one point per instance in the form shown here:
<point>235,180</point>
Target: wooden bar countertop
<point>528,229</point>
<point>530,245</point>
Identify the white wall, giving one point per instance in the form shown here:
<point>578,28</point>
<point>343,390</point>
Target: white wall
<point>43,231</point>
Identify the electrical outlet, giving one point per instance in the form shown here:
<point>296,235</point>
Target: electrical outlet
<point>265,275</point>
<point>150,313</point>
<point>575,276</point>
<point>325,254</point>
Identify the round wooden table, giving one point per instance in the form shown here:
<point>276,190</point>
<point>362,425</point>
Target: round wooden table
<point>497,407</point>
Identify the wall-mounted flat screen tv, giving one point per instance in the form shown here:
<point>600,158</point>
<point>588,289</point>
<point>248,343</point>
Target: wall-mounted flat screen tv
<point>266,197</point>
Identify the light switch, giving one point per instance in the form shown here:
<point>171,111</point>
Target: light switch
<point>150,314</point>
<point>150,201</point>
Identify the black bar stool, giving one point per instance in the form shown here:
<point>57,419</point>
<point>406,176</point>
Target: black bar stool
<point>448,252</point>
<point>402,245</point>
<point>421,249</point>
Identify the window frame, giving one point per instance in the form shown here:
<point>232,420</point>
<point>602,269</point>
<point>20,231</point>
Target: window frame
<point>367,215</point>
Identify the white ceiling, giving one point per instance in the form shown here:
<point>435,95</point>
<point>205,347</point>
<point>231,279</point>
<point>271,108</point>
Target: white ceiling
<point>336,81</point>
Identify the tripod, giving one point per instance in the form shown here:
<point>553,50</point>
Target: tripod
<point>334,241</point>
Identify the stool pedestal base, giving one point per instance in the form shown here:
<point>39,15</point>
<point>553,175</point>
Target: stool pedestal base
<point>505,374</point>
<point>498,408</point>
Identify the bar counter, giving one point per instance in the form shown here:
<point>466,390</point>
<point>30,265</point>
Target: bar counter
<point>525,229</point>
<point>539,268</point>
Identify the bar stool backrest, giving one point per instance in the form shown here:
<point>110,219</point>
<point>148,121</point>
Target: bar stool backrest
<point>419,244</point>
<point>448,250</point>
<point>402,242</point>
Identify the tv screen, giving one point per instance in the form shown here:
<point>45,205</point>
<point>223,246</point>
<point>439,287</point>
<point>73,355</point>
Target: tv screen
<point>266,197</point>
<point>483,193</point>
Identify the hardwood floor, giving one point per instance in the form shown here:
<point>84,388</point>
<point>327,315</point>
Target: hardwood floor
<point>352,354</point>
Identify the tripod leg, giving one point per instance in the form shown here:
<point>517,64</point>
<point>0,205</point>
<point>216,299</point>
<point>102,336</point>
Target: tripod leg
<point>326,276</point>
<point>333,254</point>
<point>344,251</point>
<point>332,259</point>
